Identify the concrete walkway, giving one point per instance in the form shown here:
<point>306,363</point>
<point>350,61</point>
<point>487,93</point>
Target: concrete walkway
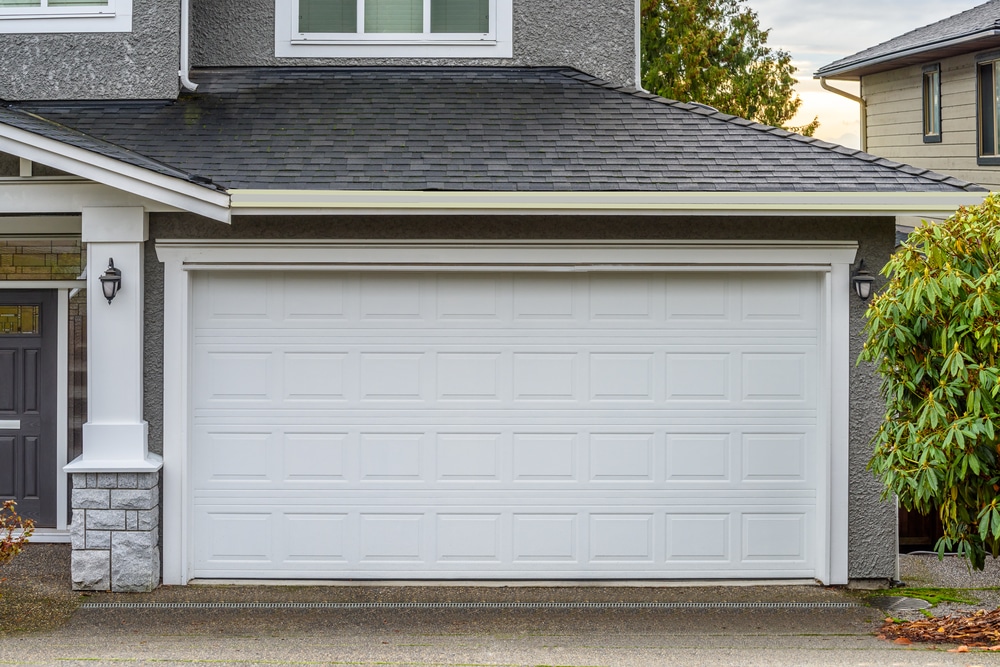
<point>816,635</point>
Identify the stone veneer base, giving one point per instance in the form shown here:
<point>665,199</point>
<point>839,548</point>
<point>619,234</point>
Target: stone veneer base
<point>115,532</point>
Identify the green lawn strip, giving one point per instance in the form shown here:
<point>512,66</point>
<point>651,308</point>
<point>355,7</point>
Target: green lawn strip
<point>935,596</point>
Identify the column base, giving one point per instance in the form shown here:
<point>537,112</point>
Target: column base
<point>115,531</point>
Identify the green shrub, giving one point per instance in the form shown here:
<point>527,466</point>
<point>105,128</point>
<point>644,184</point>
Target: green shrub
<point>934,334</point>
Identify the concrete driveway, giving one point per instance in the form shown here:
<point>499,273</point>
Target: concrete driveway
<point>684,626</point>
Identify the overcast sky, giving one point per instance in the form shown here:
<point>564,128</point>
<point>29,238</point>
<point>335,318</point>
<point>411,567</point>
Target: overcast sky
<point>818,32</point>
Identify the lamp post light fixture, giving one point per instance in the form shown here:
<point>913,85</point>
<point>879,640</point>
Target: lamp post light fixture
<point>862,281</point>
<point>111,280</point>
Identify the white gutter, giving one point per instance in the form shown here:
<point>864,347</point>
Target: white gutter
<point>853,98</point>
<point>185,70</point>
<point>374,202</point>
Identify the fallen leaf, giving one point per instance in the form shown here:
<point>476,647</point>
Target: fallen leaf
<point>960,649</point>
<point>902,640</point>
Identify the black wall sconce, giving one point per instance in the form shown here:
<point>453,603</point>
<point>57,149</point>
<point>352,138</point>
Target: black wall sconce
<point>111,280</point>
<point>862,281</point>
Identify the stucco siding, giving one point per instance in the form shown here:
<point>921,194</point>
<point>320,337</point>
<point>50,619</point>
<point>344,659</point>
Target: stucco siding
<point>141,64</point>
<point>872,547</point>
<point>595,37</point>
<point>895,120</point>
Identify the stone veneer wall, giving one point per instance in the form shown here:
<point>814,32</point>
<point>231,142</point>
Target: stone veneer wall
<point>115,532</point>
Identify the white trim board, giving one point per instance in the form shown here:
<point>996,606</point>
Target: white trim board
<point>314,202</point>
<point>182,257</point>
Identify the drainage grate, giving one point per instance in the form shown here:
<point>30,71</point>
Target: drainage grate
<point>469,605</point>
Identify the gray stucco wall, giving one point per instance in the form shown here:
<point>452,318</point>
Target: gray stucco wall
<point>596,36</point>
<point>141,64</point>
<point>872,546</point>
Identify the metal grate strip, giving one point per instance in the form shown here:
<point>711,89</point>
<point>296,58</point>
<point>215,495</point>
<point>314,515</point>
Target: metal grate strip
<point>468,605</point>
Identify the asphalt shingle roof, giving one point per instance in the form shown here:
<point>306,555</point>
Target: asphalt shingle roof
<point>984,18</point>
<point>459,129</point>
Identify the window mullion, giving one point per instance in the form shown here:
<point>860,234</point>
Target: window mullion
<point>995,120</point>
<point>427,16</point>
<point>361,17</point>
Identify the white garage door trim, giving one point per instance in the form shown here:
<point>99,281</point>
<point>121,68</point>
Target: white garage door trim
<point>830,259</point>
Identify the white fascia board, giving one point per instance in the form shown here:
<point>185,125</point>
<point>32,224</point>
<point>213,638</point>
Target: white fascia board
<point>316,202</point>
<point>114,173</point>
<point>579,255</point>
<point>66,195</point>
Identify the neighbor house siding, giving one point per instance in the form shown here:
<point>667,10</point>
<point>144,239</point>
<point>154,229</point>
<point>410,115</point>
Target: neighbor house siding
<point>141,64</point>
<point>895,120</point>
<point>872,542</point>
<point>597,37</point>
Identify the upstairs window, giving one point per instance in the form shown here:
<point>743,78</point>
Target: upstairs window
<point>932,104</point>
<point>393,28</point>
<point>989,150</point>
<point>65,16</point>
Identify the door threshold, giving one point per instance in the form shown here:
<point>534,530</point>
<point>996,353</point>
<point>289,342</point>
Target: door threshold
<point>49,536</point>
<point>515,583</point>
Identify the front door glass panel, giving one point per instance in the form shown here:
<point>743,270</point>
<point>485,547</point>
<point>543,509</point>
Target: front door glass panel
<point>15,320</point>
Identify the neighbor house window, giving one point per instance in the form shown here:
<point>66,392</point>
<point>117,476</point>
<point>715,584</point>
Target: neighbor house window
<point>393,28</point>
<point>989,150</point>
<point>932,104</point>
<point>65,16</point>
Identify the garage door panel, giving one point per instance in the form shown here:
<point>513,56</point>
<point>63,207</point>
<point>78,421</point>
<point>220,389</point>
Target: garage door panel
<point>505,425</point>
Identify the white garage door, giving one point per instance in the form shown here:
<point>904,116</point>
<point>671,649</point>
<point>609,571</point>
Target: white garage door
<point>506,425</point>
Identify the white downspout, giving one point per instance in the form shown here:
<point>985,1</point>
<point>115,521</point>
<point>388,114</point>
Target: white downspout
<point>638,45</point>
<point>185,69</point>
<point>853,98</point>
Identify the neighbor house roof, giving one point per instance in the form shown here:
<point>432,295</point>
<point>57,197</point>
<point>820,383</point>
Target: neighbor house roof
<point>972,30</point>
<point>457,129</point>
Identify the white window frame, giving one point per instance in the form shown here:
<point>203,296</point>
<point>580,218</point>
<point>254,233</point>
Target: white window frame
<point>116,16</point>
<point>290,43</point>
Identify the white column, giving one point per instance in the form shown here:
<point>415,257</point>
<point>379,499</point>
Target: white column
<point>115,435</point>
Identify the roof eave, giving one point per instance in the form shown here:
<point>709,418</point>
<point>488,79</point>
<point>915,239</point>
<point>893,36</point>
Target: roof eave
<point>114,173</point>
<point>965,43</point>
<point>376,202</point>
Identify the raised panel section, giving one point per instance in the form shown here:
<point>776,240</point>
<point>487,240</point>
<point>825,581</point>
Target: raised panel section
<point>314,376</point>
<point>621,457</point>
<point>774,457</point>
<point>697,537</point>
<point>620,298</point>
<point>316,537</point>
<point>621,537</point>
<point>545,537</point>
<point>697,457</point>
<point>314,297</point>
<point>468,297</point>
<point>621,377</point>
<point>697,377</point>
<point>391,537</point>
<point>544,456</point>
<point>697,298</point>
<point>233,457</point>
<point>468,537</point>
<point>774,377</point>
<point>32,359</point>
<point>394,297</point>
<point>8,380</point>
<point>237,376</point>
<point>544,377</point>
<point>237,295</point>
<point>8,468</point>
<point>467,456</point>
<point>774,537</point>
<point>777,299</point>
<point>229,537</point>
<point>314,457</point>
<point>29,457</point>
<point>390,456</point>
<point>467,376</point>
<point>391,376</point>
<point>543,297</point>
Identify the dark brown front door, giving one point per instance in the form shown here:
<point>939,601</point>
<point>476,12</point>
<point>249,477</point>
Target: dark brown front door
<point>28,330</point>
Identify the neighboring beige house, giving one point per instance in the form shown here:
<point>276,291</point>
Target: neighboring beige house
<point>931,97</point>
